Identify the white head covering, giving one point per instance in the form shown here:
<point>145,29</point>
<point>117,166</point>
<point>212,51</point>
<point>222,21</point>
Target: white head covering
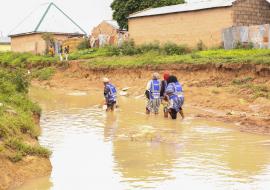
<point>106,79</point>
<point>155,76</point>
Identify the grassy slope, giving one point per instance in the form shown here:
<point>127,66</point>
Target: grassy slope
<point>17,124</point>
<point>103,58</point>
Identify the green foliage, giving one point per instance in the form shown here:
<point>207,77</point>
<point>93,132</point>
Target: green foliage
<point>84,44</point>
<point>122,9</point>
<point>19,146</point>
<point>200,57</point>
<point>44,74</point>
<point>15,157</point>
<point>16,112</point>
<point>174,49</point>
<point>201,46</point>
<point>25,60</point>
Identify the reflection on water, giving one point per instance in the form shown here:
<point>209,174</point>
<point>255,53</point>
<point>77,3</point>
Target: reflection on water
<point>129,150</point>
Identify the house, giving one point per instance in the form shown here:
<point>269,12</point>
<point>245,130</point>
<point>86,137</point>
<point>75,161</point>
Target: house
<point>192,22</point>
<point>4,44</point>
<point>47,27</point>
<point>107,32</point>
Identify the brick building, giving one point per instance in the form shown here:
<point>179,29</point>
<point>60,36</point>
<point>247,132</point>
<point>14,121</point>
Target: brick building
<point>190,23</point>
<point>107,32</point>
<point>34,42</point>
<point>50,20</point>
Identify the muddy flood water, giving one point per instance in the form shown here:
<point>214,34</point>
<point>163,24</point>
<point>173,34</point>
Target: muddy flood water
<point>129,150</point>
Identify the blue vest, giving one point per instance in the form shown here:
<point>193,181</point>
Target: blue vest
<point>155,89</point>
<point>112,95</point>
<point>178,89</point>
<point>176,102</point>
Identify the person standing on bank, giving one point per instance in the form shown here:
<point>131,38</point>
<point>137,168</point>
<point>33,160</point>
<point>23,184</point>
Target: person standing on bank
<point>61,52</point>
<point>66,52</point>
<point>110,94</point>
<point>153,89</point>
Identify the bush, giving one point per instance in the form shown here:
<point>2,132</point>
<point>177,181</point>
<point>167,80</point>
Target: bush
<point>84,44</point>
<point>174,49</point>
<point>149,47</point>
<point>201,46</point>
<point>44,74</point>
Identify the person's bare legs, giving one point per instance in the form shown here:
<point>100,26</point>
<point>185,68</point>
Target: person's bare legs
<point>182,114</point>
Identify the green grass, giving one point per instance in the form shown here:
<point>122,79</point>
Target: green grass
<point>19,146</point>
<point>26,60</point>
<point>155,58</point>
<point>44,74</point>
<point>16,116</point>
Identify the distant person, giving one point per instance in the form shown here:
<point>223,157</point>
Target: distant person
<point>153,94</point>
<point>175,97</point>
<point>66,52</point>
<point>61,52</point>
<point>51,51</point>
<point>110,94</point>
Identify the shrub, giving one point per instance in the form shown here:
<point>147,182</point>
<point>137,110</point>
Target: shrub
<point>149,47</point>
<point>174,49</point>
<point>44,74</point>
<point>128,48</point>
<point>201,46</point>
<point>84,44</point>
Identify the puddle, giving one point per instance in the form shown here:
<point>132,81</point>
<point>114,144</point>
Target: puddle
<point>129,150</point>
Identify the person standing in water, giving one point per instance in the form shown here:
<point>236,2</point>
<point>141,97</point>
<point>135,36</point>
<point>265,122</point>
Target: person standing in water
<point>110,94</point>
<point>164,84</point>
<point>175,97</point>
<point>153,89</point>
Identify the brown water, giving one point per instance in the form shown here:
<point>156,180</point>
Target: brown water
<point>129,150</point>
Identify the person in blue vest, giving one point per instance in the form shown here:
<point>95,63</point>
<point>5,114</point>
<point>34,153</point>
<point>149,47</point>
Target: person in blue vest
<point>175,97</point>
<point>110,94</point>
<point>153,89</point>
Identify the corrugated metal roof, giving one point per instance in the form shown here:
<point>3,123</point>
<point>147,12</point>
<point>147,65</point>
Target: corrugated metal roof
<point>54,21</point>
<point>113,23</point>
<point>185,7</point>
<point>4,40</point>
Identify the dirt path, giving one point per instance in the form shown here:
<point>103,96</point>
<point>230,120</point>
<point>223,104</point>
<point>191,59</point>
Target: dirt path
<point>231,93</point>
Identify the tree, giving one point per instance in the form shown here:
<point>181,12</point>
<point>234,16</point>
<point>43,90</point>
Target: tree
<point>123,8</point>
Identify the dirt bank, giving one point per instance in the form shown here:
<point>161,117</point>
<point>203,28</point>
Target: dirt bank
<point>14,174</point>
<point>231,92</point>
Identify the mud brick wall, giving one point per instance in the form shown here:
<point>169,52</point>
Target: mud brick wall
<point>182,28</point>
<point>251,12</point>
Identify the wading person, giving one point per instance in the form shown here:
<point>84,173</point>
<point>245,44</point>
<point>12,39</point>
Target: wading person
<point>110,94</point>
<point>153,93</point>
<point>173,90</point>
<point>164,84</point>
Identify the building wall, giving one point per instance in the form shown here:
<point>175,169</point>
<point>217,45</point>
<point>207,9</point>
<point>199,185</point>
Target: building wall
<point>251,12</point>
<point>104,28</point>
<point>5,47</point>
<point>182,28</point>
<point>32,43</point>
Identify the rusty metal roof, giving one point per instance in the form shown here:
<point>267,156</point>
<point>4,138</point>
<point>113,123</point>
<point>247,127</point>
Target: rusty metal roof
<point>185,7</point>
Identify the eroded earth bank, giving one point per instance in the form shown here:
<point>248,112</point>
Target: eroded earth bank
<point>232,93</point>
